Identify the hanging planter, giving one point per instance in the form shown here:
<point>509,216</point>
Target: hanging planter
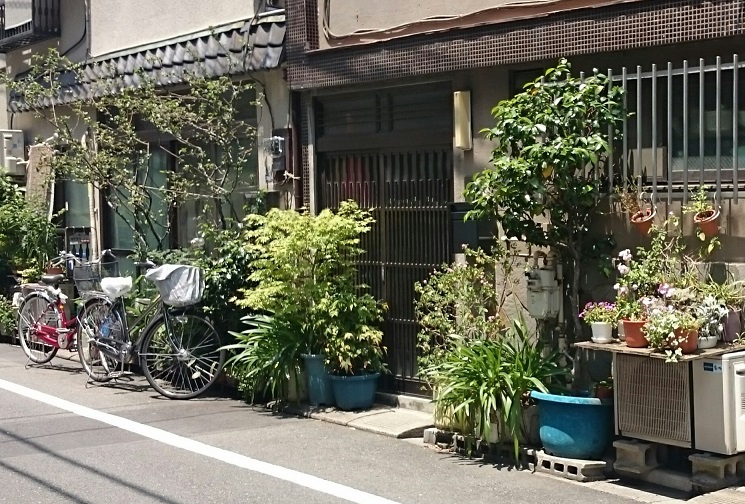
<point>643,219</point>
<point>708,222</point>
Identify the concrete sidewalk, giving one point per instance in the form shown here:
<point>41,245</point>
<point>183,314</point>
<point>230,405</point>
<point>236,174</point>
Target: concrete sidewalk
<point>380,419</point>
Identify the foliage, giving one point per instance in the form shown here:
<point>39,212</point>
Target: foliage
<point>8,314</point>
<point>629,201</point>
<point>211,140</point>
<point>353,343</point>
<point>699,203</point>
<point>599,312</point>
<point>485,381</point>
<point>27,238</point>
<point>548,163</point>
<point>267,356</point>
<point>667,328</point>
<point>304,266</point>
<point>462,300</point>
<point>710,312</point>
<point>730,293</point>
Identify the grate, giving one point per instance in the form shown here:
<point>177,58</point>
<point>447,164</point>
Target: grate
<point>654,400</point>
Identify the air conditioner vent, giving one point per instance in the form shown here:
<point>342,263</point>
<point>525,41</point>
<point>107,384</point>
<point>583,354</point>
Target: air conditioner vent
<point>654,400</point>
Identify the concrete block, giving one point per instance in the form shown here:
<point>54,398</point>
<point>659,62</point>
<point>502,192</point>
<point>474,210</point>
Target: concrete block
<point>669,479</point>
<point>573,469</point>
<point>634,458</point>
<point>714,472</point>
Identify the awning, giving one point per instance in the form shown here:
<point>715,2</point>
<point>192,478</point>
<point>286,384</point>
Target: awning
<point>234,49</point>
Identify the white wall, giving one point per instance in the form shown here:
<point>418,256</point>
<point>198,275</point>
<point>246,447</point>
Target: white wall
<point>121,24</point>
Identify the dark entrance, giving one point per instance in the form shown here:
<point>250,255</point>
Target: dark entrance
<point>408,187</point>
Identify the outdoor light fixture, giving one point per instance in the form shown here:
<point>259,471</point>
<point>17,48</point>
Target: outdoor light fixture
<point>462,120</point>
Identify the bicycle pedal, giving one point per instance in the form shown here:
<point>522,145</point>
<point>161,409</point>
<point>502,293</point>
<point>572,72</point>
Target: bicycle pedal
<point>119,374</point>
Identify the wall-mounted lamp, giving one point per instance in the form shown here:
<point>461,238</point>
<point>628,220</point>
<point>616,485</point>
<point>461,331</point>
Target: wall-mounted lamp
<point>462,120</point>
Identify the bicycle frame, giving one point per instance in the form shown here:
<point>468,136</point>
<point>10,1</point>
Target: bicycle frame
<point>50,334</point>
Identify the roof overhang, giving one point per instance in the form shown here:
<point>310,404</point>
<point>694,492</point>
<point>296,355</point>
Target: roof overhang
<point>234,49</point>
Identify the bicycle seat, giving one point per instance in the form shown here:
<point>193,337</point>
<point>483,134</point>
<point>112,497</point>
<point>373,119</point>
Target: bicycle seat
<point>116,287</point>
<point>52,279</point>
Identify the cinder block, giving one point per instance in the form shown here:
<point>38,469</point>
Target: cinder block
<point>634,458</point>
<point>713,472</point>
<point>573,469</point>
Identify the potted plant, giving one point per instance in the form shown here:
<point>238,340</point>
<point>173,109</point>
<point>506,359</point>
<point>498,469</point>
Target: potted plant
<point>353,350</point>
<point>601,317</point>
<point>303,265</point>
<point>711,314</point>
<point>604,389</point>
<point>641,218</point>
<point>705,213</point>
<point>730,294</point>
<point>672,330</point>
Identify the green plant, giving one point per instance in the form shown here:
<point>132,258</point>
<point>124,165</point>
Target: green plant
<point>303,265</point>
<point>8,314</point>
<point>731,293</point>
<point>699,203</point>
<point>487,381</point>
<point>628,200</point>
<point>462,300</point>
<point>666,329</point>
<point>266,356</point>
<point>599,312</point>
<point>710,312</point>
<point>551,156</point>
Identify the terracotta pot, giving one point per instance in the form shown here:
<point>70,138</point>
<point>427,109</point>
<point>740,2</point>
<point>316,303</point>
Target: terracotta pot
<point>603,392</point>
<point>732,326</point>
<point>54,271</point>
<point>708,222</point>
<point>643,220</point>
<point>634,335</point>
<point>690,344</point>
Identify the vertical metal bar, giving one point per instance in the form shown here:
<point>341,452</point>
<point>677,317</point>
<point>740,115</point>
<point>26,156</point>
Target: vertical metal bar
<point>654,132</point>
<point>611,130</point>
<point>701,118</point>
<point>735,124</point>
<point>685,131</point>
<point>639,162</point>
<point>719,128</point>
<point>669,131</point>
<point>625,153</point>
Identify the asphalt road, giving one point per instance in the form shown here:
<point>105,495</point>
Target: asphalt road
<point>123,443</point>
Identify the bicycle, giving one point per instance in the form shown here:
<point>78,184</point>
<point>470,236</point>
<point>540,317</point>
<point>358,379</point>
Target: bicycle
<point>179,352</point>
<point>43,326</point>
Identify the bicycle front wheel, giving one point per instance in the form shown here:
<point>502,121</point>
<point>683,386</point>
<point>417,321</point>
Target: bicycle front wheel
<point>180,356</point>
<point>37,310</point>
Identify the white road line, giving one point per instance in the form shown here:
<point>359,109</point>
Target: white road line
<point>162,436</point>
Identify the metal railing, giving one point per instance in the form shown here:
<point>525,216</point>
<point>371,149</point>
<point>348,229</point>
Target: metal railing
<point>686,128</point>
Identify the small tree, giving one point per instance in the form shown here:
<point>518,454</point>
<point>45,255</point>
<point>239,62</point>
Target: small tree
<point>195,125</point>
<point>549,162</point>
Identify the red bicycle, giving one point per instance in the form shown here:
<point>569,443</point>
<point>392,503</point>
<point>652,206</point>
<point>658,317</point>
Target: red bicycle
<point>43,326</point>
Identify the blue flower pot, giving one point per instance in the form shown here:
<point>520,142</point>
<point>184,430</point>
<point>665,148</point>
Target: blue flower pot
<point>320,390</point>
<point>355,392</point>
<point>574,427</point>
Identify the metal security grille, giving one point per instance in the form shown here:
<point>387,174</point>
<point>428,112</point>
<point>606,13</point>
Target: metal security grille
<point>654,400</point>
<point>408,191</point>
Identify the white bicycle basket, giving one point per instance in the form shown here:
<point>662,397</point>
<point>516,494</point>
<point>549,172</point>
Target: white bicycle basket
<point>179,285</point>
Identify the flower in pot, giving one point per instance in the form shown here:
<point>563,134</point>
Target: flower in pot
<point>731,294</point>
<point>711,314</point>
<point>354,349</point>
<point>601,317</point>
<point>672,330</point>
<point>705,214</point>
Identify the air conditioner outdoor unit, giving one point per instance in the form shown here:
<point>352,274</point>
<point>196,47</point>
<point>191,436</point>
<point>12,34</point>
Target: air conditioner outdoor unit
<point>719,403</point>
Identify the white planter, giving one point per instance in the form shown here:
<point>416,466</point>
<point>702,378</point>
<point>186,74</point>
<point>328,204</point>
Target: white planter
<point>621,331</point>
<point>602,332</point>
<point>707,341</point>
